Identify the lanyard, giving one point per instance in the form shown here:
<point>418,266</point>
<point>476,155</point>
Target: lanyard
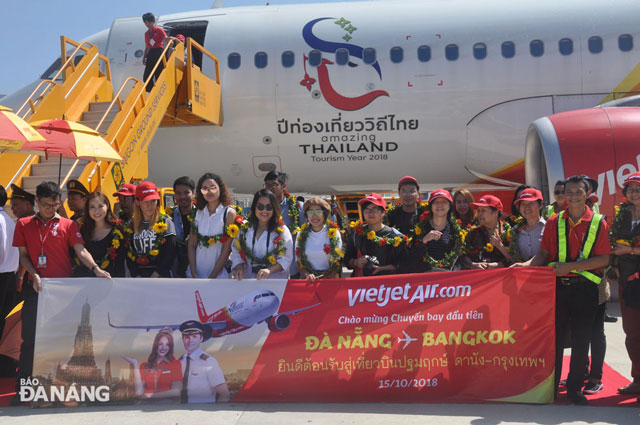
<point>43,238</point>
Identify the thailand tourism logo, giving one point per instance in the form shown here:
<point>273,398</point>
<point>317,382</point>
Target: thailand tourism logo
<point>330,94</point>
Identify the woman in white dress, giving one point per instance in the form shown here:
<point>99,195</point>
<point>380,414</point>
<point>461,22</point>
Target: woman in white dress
<point>319,244</point>
<point>212,229</point>
<point>263,249</point>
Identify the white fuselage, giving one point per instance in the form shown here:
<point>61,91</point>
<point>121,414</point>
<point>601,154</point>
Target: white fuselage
<point>446,122</point>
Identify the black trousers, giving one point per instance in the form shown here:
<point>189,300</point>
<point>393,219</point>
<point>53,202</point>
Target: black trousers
<point>29,313</point>
<point>598,344</point>
<point>7,295</point>
<point>152,57</point>
<point>576,309</point>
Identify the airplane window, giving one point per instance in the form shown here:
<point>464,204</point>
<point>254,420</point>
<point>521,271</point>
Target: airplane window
<point>451,52</point>
<point>508,49</point>
<point>55,67</point>
<point>315,57</point>
<point>595,44</point>
<point>424,53</point>
<point>369,55</point>
<point>536,47</point>
<point>479,51</point>
<point>342,56</point>
<point>625,42</point>
<point>257,296</point>
<point>266,294</point>
<point>396,54</point>
<point>565,46</point>
<point>234,60</point>
<point>260,60</point>
<point>288,59</point>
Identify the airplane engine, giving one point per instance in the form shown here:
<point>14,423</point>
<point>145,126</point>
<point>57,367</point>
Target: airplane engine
<point>603,143</point>
<point>279,322</point>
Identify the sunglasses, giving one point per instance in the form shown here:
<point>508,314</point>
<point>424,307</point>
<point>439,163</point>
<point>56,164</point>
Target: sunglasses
<point>558,192</point>
<point>262,207</point>
<point>311,213</point>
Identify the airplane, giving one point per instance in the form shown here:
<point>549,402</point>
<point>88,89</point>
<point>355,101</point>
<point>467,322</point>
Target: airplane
<point>256,307</point>
<point>407,340</point>
<point>348,97</point>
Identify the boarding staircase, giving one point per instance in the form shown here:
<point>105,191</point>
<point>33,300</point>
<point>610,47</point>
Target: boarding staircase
<point>82,91</point>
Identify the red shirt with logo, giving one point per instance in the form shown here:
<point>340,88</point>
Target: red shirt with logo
<point>160,377</point>
<point>154,38</point>
<point>576,236</point>
<point>52,238</point>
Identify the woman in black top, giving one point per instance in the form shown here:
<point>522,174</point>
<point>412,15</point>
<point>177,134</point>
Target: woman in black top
<point>441,241</point>
<point>374,248</point>
<point>151,235</point>
<point>484,245</point>
<point>103,237</point>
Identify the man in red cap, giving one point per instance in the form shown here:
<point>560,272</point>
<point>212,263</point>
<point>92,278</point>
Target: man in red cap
<point>124,206</point>
<point>372,247</point>
<point>576,243</point>
<point>485,247</point>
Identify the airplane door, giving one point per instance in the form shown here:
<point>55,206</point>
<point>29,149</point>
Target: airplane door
<point>125,49</point>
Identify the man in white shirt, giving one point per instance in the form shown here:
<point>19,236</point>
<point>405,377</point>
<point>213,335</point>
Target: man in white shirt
<point>9,260</point>
<point>202,378</point>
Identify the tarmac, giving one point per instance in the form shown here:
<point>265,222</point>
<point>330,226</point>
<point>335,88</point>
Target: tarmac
<point>350,413</point>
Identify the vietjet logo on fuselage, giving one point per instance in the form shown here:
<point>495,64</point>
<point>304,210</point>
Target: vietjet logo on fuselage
<point>332,97</point>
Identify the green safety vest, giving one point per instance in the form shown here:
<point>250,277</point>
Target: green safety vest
<point>563,247</point>
<point>549,211</point>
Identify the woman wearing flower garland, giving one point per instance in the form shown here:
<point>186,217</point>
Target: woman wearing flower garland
<point>212,230</point>
<point>374,248</point>
<point>319,245</point>
<point>441,240</point>
<point>264,247</point>
<point>151,234</point>
<point>103,237</point>
<point>484,245</point>
<point>462,200</point>
<point>525,236</point>
<point>625,239</point>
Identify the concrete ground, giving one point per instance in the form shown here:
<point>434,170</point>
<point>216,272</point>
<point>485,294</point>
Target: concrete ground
<point>350,413</point>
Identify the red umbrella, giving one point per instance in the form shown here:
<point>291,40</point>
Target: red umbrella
<point>14,131</point>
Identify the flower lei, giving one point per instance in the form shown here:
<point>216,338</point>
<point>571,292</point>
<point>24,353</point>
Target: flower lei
<point>294,213</point>
<point>359,228</point>
<point>393,206</point>
<point>229,230</point>
<point>269,257</point>
<point>512,236</point>
<point>331,249</point>
<point>488,247</point>
<point>158,228</point>
<point>617,228</point>
<point>458,248</point>
<point>112,251</point>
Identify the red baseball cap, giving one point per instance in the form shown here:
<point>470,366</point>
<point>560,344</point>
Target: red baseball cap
<point>440,193</point>
<point>488,201</point>
<point>373,198</point>
<point>147,191</point>
<point>408,179</point>
<point>634,177</point>
<point>180,37</point>
<point>127,189</point>
<point>529,194</point>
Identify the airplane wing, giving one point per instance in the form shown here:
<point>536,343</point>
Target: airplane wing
<point>213,325</point>
<point>298,310</point>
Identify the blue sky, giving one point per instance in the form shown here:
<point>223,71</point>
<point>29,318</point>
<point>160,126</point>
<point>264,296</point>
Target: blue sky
<point>30,30</point>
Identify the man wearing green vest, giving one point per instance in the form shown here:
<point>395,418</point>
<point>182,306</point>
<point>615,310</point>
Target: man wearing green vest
<point>576,243</point>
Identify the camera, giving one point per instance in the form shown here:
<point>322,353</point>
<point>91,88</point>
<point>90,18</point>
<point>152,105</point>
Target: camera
<point>255,268</point>
<point>371,261</point>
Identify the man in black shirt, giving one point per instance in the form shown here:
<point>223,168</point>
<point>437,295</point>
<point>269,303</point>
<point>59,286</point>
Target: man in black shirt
<point>405,216</point>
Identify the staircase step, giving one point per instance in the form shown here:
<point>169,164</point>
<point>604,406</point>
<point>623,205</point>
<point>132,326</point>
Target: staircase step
<point>51,169</point>
<point>99,106</point>
<point>53,159</point>
<point>97,115</point>
<point>94,123</point>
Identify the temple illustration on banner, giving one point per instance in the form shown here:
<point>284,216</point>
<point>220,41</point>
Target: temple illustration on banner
<point>82,369</point>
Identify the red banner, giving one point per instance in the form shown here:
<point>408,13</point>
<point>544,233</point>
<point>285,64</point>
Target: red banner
<point>455,336</point>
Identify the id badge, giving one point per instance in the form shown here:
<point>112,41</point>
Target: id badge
<point>42,261</point>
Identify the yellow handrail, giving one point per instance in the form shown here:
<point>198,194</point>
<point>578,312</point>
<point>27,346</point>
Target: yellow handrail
<point>116,99</point>
<point>201,49</point>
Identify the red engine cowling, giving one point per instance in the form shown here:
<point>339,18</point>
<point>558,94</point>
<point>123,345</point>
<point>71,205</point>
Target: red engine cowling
<point>603,143</point>
<point>279,322</point>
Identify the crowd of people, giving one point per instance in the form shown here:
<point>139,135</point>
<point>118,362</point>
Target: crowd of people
<point>206,236</point>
